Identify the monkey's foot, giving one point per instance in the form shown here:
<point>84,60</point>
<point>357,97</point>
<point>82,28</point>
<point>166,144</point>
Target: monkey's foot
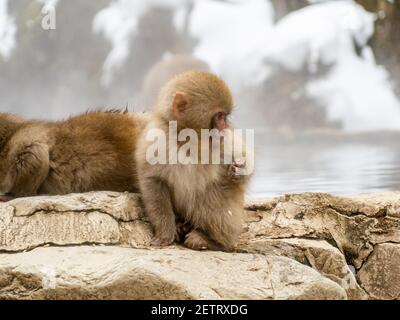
<point>196,240</point>
<point>163,239</point>
<point>157,242</point>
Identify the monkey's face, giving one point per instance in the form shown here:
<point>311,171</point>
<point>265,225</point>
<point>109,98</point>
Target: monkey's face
<point>200,113</point>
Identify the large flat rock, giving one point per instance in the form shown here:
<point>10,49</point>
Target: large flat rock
<point>173,273</point>
<point>346,245</point>
<point>96,218</point>
<point>353,230</point>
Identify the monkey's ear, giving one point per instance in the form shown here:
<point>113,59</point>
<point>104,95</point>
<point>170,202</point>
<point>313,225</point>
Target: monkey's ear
<point>179,105</point>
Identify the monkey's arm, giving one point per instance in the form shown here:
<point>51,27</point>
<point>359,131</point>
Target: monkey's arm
<point>157,200</point>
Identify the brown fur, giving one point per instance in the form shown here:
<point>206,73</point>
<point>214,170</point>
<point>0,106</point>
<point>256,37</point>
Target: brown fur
<point>93,151</point>
<point>204,196</point>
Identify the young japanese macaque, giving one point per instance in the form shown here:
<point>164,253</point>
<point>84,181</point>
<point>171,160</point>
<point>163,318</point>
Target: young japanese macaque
<point>200,204</point>
<point>90,152</point>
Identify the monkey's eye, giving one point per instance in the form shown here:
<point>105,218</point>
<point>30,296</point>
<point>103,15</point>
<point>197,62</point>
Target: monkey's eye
<point>219,121</point>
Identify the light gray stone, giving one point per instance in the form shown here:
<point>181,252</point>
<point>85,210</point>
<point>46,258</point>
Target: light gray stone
<point>329,234</point>
<point>173,273</point>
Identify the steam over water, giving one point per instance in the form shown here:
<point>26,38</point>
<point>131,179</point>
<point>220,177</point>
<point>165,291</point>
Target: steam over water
<point>326,114</point>
<point>346,167</point>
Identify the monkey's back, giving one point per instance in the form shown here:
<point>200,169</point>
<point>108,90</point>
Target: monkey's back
<point>92,152</point>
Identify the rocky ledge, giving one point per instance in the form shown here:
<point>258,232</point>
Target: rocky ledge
<point>299,246</point>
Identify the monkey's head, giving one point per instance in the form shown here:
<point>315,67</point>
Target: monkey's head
<point>197,100</point>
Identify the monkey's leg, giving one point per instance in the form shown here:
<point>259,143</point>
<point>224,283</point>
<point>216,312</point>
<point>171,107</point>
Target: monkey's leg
<point>157,200</point>
<point>197,240</point>
<point>28,168</point>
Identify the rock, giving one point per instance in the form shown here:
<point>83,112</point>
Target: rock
<point>97,217</point>
<point>318,254</point>
<point>351,230</point>
<point>353,244</point>
<point>380,274</point>
<point>172,273</point>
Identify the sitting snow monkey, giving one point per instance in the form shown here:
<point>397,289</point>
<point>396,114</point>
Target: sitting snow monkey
<point>198,203</point>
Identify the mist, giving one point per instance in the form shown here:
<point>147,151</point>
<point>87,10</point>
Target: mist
<point>311,77</point>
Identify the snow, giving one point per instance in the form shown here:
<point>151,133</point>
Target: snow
<point>49,3</point>
<point>321,33</point>
<point>231,33</point>
<point>318,33</point>
<point>356,91</point>
<point>119,21</point>
<point>240,42</point>
<point>8,30</point>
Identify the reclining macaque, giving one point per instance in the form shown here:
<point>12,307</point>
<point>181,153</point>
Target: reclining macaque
<point>90,152</point>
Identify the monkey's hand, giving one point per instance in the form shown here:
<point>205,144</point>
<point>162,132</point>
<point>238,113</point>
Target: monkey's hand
<point>236,171</point>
